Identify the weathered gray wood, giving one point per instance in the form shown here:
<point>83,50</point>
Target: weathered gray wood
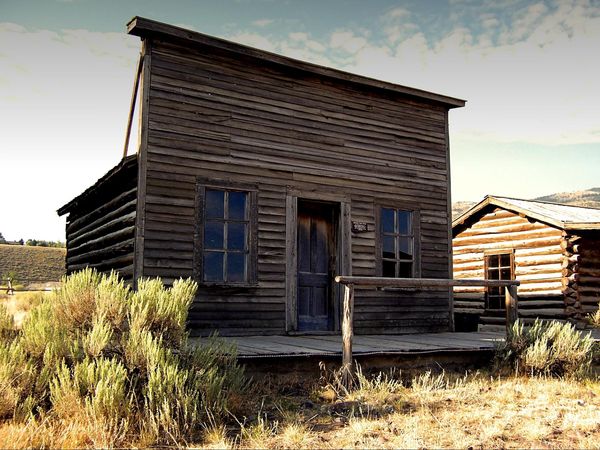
<point>143,134</point>
<point>419,283</point>
<point>291,261</point>
<point>511,306</point>
<point>136,83</point>
<point>347,333</point>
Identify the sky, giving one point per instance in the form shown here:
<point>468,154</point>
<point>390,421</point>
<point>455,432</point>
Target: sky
<point>529,71</point>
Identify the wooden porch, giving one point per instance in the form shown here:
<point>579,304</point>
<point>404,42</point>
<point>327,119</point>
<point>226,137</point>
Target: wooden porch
<point>257,347</point>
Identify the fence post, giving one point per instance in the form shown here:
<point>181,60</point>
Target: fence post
<point>9,288</point>
<point>512,308</point>
<point>347,332</point>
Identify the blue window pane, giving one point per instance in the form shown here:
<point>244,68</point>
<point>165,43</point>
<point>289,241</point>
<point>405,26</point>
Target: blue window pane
<point>214,204</point>
<point>406,248</point>
<point>213,266</point>
<point>387,220</point>
<point>389,247</point>
<point>236,236</point>
<point>404,219</point>
<point>237,205</point>
<point>236,267</point>
<point>213,235</point>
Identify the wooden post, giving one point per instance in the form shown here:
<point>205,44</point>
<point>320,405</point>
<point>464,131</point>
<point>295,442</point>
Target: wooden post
<point>512,308</point>
<point>9,289</point>
<point>136,83</point>
<point>347,332</point>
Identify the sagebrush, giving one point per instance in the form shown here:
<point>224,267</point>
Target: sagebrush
<point>547,348</point>
<point>114,364</point>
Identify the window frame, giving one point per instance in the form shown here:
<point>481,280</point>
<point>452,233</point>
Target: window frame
<point>416,235</point>
<point>497,252</point>
<point>202,185</point>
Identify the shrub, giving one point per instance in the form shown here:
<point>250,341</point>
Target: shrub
<point>115,362</point>
<point>548,348</point>
<point>594,319</point>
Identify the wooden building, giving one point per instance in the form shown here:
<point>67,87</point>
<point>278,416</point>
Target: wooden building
<point>552,249</point>
<point>263,177</point>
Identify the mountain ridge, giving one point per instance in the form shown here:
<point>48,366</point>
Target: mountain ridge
<point>589,198</point>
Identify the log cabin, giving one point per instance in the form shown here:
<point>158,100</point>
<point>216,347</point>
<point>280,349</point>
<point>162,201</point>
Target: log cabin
<point>262,177</point>
<point>552,249</point>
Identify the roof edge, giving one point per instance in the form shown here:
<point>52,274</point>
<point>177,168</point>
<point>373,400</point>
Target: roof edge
<point>122,165</point>
<point>492,200</point>
<point>142,27</point>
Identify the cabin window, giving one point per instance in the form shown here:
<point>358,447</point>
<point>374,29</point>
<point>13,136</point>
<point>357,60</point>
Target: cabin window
<point>498,267</point>
<point>398,242</point>
<point>227,233</point>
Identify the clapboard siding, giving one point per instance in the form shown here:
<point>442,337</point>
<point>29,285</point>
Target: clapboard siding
<point>100,227</point>
<point>538,258</point>
<point>213,116</point>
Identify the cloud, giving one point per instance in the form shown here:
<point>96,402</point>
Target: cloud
<point>347,41</point>
<point>65,100</point>
<point>253,40</point>
<point>262,22</point>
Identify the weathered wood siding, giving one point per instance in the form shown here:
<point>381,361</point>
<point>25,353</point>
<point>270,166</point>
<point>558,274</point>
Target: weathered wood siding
<point>538,258</point>
<point>581,272</point>
<point>223,118</point>
<point>100,230</point>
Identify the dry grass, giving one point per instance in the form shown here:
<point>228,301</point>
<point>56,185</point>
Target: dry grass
<point>21,303</point>
<point>37,263</point>
<point>430,411</point>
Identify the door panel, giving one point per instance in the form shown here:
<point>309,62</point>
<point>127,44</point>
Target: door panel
<point>315,264</point>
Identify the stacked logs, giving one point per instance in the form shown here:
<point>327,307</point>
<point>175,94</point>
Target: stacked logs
<point>580,274</point>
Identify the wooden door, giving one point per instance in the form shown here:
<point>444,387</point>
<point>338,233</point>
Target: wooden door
<point>316,262</point>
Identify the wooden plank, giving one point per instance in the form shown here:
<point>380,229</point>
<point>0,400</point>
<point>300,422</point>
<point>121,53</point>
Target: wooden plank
<point>291,271</point>
<point>143,133</point>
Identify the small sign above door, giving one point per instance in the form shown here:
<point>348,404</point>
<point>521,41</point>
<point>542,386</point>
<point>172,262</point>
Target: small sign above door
<point>360,227</point>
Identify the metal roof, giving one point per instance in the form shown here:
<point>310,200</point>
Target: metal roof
<point>566,217</point>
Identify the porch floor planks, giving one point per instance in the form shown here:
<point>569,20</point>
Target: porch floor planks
<point>331,345</point>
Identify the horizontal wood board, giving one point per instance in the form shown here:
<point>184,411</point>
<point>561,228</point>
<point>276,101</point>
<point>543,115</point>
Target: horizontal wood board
<point>100,229</point>
<point>285,346</point>
<point>217,118</point>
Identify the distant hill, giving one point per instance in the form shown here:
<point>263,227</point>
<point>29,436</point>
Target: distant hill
<point>589,198</point>
<point>33,263</point>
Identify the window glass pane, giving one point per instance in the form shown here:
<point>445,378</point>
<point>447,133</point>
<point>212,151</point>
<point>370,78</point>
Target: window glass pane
<point>214,204</point>
<point>387,220</point>
<point>236,267</point>
<point>405,270</point>
<point>505,274</point>
<point>388,268</point>
<point>236,236</point>
<point>213,235</point>
<point>389,247</point>
<point>213,266</point>
<point>404,219</point>
<point>237,205</point>
<point>493,274</point>
<point>406,247</point>
<point>505,260</point>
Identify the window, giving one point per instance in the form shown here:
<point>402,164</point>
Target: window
<point>226,247</point>
<point>398,243</point>
<point>498,267</point>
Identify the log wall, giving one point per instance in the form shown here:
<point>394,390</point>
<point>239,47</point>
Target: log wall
<point>100,228</point>
<point>538,260</point>
<point>581,272</point>
<point>222,118</point>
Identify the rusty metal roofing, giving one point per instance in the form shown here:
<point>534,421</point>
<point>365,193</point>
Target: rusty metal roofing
<point>566,217</point>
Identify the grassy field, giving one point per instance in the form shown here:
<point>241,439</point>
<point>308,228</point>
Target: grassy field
<point>468,411</point>
<point>38,263</point>
<point>77,401</point>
